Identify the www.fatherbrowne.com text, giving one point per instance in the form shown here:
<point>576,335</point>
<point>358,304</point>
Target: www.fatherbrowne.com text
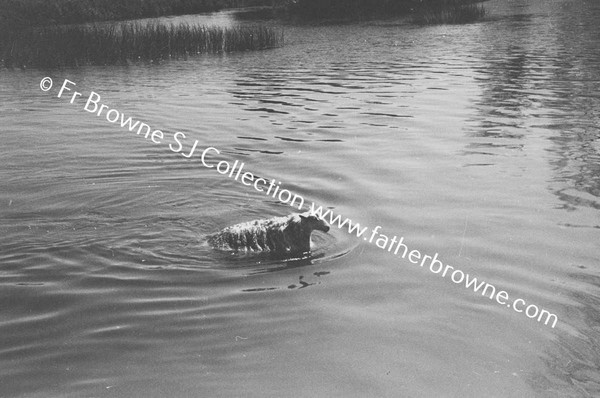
<point>178,143</point>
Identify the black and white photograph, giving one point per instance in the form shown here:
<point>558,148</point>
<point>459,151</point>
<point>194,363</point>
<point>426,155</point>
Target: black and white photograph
<point>299,198</point>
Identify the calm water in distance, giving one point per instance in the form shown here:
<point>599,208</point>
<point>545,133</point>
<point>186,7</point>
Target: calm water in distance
<point>478,142</point>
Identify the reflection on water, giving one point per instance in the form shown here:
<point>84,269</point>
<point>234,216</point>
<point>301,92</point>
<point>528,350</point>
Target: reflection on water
<point>550,85</point>
<point>577,165</point>
<point>479,142</point>
<point>549,88</point>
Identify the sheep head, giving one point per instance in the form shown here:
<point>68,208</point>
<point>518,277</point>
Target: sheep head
<point>314,221</point>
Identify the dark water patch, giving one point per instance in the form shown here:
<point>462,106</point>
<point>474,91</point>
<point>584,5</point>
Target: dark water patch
<point>324,126</point>
<point>581,226</point>
<point>250,84</point>
<point>266,152</point>
<point>291,139</point>
<point>386,114</point>
<point>573,199</point>
<point>315,100</point>
<point>259,289</point>
<point>30,284</point>
<point>267,110</point>
<point>252,138</point>
<point>338,85</point>
<point>495,145</point>
<point>305,121</point>
<point>375,125</point>
<point>315,90</point>
<point>378,103</point>
<point>302,283</point>
<point>284,103</point>
<point>479,164</point>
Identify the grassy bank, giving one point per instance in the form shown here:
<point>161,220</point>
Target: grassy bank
<point>447,12</point>
<point>111,44</point>
<point>341,10</point>
<point>22,13</point>
<point>422,11</point>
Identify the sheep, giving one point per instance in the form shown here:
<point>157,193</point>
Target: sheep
<point>279,235</point>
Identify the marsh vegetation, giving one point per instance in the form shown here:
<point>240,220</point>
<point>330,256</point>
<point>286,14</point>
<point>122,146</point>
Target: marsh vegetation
<point>421,11</point>
<point>447,12</point>
<point>343,10</point>
<point>109,44</point>
<point>22,13</point>
<point>58,33</point>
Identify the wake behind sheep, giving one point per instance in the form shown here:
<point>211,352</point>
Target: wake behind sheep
<point>279,235</point>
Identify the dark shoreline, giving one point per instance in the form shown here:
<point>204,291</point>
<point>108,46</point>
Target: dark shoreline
<point>19,14</point>
<point>70,36</point>
<point>421,11</point>
<point>15,14</point>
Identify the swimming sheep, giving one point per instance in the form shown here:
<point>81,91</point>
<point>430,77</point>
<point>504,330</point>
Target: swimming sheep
<point>279,235</point>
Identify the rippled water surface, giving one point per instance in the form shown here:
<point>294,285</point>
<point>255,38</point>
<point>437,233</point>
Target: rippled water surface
<point>476,142</point>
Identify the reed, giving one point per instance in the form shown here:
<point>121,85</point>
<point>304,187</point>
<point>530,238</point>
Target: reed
<point>447,12</point>
<point>110,44</point>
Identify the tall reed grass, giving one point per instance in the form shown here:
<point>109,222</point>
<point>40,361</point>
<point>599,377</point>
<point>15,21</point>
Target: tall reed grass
<point>110,44</point>
<point>447,12</point>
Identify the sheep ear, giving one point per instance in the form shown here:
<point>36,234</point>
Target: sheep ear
<point>302,216</point>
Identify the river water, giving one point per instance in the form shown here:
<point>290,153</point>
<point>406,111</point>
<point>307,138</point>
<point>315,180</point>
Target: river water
<point>477,142</point>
